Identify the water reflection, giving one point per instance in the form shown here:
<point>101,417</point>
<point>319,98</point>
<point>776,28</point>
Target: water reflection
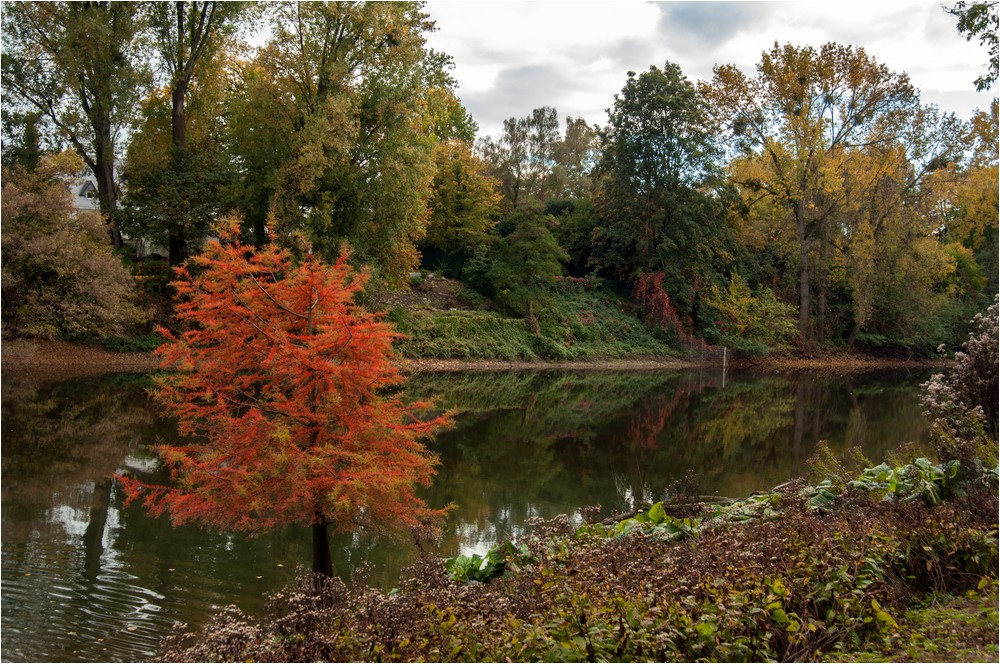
<point>86,579</point>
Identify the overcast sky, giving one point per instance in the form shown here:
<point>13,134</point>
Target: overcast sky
<point>512,57</point>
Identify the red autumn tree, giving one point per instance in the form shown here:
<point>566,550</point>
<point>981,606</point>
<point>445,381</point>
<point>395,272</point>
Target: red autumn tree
<point>279,383</point>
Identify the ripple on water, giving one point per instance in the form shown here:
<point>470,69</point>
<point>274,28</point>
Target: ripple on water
<point>54,610</point>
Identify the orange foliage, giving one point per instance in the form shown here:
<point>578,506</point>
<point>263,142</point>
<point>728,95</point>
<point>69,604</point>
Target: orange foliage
<point>655,302</point>
<point>279,382</point>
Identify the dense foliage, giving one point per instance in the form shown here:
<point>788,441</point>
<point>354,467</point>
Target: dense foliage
<point>60,276</point>
<point>658,159</point>
<point>80,67</point>
<point>962,404</point>
<point>749,321</point>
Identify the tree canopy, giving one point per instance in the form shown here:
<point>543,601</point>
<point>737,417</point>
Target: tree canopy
<point>81,66</point>
<point>801,127</point>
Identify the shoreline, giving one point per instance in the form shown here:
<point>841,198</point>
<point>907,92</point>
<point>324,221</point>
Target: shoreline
<point>55,360</point>
<point>43,360</point>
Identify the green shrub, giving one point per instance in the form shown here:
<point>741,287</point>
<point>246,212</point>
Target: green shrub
<point>750,321</point>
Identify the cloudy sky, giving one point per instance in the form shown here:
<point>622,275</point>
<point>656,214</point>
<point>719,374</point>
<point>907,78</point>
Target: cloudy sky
<point>512,57</point>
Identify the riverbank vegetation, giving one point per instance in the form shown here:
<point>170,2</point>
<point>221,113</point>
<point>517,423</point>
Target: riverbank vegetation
<point>744,210</point>
<point>581,320</point>
<point>796,584</point>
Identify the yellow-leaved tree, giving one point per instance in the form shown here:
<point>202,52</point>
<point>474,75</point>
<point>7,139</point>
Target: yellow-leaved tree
<point>831,150</point>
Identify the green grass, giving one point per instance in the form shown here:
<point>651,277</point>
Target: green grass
<point>464,335</point>
<point>578,323</point>
<point>142,343</point>
<point>944,628</point>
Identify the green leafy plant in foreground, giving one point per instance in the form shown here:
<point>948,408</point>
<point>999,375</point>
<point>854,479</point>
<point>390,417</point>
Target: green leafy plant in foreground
<point>920,479</point>
<point>498,560</point>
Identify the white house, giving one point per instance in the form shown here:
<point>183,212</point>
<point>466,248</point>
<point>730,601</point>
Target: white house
<point>84,190</point>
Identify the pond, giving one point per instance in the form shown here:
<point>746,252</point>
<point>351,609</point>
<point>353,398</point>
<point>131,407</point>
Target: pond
<point>86,579</point>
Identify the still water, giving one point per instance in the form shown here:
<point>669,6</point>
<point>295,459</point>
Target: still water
<point>85,578</point>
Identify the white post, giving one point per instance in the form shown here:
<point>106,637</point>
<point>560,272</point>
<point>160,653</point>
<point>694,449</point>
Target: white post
<point>724,362</point>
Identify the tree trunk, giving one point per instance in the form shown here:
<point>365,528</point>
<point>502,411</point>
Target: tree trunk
<point>322,562</point>
<point>177,245</point>
<point>106,193</point>
<point>853,336</point>
<point>804,275</point>
<point>823,270</point>
<point>177,118</point>
<point>176,242</point>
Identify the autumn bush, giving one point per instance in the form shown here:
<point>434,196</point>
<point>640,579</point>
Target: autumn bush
<point>770,578</point>
<point>961,403</point>
<point>750,321</point>
<point>60,276</point>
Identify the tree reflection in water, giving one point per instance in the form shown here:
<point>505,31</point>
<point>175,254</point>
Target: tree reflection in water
<point>536,444</point>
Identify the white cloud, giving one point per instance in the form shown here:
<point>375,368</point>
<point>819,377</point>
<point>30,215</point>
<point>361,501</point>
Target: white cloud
<point>512,57</point>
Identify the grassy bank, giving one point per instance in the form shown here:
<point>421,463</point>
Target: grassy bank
<point>578,323</point>
<point>838,570</point>
<point>941,628</point>
<point>446,326</point>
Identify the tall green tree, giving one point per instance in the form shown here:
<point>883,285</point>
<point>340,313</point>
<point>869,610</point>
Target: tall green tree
<point>82,65</point>
<point>188,37</point>
<point>659,155</point>
<point>464,205</point>
<point>22,141</point>
<point>507,155</point>
<point>575,158</point>
<point>332,129</point>
<point>174,194</point>
<point>524,157</point>
<point>526,263</point>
